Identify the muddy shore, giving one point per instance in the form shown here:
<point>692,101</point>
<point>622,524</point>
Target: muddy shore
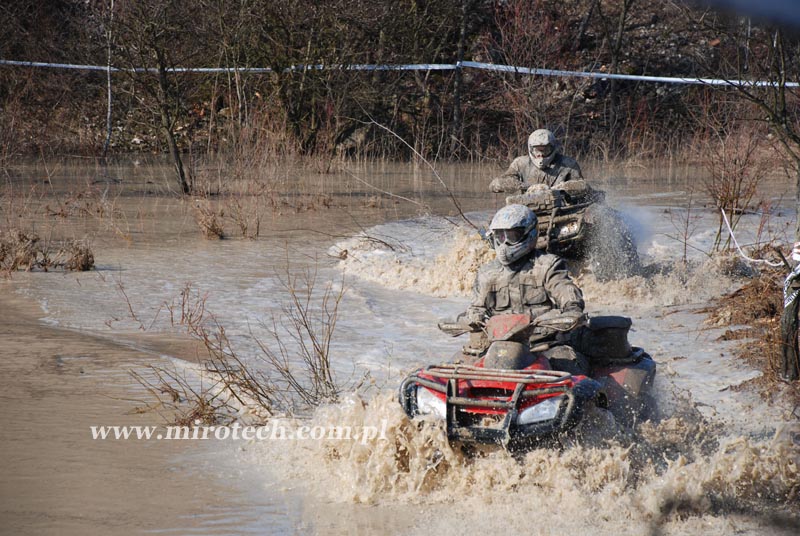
<point>57,383</point>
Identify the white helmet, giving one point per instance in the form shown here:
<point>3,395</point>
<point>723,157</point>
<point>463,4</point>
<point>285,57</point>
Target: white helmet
<point>513,233</point>
<point>542,147</point>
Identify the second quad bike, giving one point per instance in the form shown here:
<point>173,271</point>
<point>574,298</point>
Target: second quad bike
<point>574,222</point>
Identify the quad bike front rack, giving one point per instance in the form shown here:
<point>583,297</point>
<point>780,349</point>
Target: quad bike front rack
<point>484,425</point>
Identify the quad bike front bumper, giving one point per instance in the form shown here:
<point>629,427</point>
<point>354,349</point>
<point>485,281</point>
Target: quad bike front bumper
<point>510,408</point>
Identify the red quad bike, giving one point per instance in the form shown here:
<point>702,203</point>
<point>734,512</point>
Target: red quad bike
<point>511,397</point>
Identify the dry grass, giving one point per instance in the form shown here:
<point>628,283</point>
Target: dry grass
<point>758,305</point>
<point>92,203</point>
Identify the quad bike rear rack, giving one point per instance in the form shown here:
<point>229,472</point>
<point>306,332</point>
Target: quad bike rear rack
<point>465,426</point>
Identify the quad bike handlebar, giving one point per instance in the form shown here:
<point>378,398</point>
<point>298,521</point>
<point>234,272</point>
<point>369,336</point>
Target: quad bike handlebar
<point>456,328</point>
<point>543,326</point>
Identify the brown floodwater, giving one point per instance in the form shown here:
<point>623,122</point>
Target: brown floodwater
<point>70,340</point>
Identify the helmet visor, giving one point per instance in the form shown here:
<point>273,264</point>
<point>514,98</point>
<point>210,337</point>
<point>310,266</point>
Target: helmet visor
<point>541,151</point>
<point>509,236</point>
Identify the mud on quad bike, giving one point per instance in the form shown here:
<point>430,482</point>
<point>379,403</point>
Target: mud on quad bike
<point>575,223</point>
<point>511,397</point>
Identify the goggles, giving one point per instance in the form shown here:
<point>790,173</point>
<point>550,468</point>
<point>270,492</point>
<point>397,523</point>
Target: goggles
<point>509,236</point>
<point>541,150</point>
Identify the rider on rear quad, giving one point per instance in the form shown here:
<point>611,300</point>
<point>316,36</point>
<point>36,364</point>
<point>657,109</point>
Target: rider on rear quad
<point>573,220</point>
<point>522,279</point>
<point>544,164</point>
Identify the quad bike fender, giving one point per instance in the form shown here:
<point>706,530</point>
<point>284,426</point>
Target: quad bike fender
<point>593,214</point>
<point>627,388</point>
<point>627,380</point>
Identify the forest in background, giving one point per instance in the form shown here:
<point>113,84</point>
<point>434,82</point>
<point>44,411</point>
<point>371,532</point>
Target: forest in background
<point>334,113</point>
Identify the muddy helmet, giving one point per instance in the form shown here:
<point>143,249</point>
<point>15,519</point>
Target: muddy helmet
<point>514,233</point>
<point>542,147</point>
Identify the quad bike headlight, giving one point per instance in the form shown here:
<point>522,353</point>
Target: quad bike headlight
<point>569,229</point>
<point>543,411</point>
<point>429,404</point>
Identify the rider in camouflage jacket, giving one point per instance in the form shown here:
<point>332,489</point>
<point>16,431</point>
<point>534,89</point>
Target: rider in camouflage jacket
<point>522,279</point>
<point>536,283</point>
<point>543,164</point>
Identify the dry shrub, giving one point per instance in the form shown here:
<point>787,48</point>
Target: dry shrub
<point>247,210</point>
<point>246,215</point>
<point>25,250</point>
<point>20,250</point>
<point>225,385</point>
<point>185,402</point>
<point>209,220</point>
<point>77,256</point>
<point>292,371</point>
<point>304,329</point>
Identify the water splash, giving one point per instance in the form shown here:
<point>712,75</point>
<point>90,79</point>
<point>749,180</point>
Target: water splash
<point>451,273</point>
<point>441,274</point>
<point>624,486</point>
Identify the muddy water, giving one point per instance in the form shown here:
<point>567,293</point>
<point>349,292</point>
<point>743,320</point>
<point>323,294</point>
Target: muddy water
<point>56,480</point>
<point>714,453</point>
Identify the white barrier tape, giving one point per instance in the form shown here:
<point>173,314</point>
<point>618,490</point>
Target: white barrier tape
<point>736,242</point>
<point>633,77</point>
<point>257,70</point>
<point>419,67</point>
<point>56,65</point>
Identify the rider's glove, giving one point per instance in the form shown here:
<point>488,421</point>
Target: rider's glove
<point>576,313</point>
<point>474,318</point>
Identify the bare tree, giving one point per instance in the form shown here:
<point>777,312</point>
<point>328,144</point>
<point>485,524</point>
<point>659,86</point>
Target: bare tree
<point>778,102</point>
<point>614,40</point>
<point>108,21</point>
<point>154,37</point>
<point>527,36</point>
<point>732,149</point>
<point>759,61</point>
